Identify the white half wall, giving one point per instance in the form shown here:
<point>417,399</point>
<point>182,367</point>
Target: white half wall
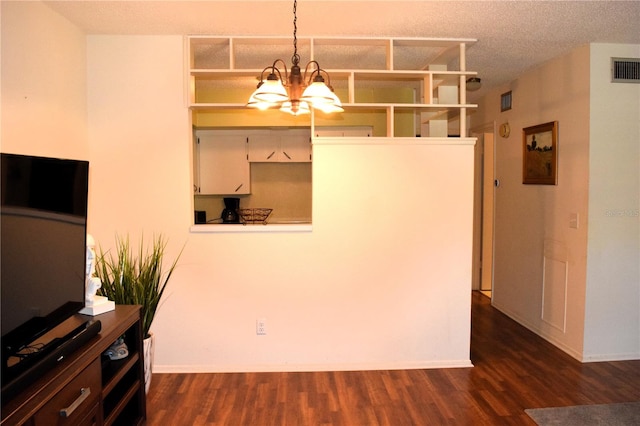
<point>382,280</point>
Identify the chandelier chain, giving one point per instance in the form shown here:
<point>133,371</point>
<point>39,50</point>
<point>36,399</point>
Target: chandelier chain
<point>295,58</point>
<point>294,92</point>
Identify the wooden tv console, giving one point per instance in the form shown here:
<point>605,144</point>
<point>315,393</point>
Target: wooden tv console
<point>87,387</point>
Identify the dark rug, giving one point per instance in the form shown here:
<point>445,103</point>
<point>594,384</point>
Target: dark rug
<point>587,415</point>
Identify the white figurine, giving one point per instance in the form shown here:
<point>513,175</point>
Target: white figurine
<point>92,283</point>
<point>93,305</point>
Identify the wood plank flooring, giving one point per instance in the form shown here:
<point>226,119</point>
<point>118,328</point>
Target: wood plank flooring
<point>513,370</point>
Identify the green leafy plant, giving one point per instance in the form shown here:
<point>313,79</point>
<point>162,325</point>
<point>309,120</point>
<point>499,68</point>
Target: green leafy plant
<point>130,278</point>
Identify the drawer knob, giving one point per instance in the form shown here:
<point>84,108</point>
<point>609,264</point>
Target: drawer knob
<point>84,393</point>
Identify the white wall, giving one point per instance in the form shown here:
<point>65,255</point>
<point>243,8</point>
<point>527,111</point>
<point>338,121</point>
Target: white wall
<point>541,262</point>
<point>533,240</point>
<point>44,109</point>
<point>612,325</point>
<point>139,137</point>
<point>382,281</point>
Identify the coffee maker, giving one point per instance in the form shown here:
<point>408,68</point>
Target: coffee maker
<point>230,212</point>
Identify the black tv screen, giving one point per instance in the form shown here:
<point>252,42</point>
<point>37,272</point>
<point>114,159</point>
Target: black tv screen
<point>43,248</point>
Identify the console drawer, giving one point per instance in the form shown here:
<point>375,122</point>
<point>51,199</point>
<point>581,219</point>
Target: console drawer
<point>77,399</point>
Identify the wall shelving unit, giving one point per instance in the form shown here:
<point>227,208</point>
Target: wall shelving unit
<point>432,70</point>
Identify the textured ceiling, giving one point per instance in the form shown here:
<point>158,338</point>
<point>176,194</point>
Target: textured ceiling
<point>513,36</point>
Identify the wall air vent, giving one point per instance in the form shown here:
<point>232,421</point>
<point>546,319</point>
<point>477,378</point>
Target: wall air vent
<point>625,70</point>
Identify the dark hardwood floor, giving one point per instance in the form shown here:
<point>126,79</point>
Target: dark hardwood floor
<point>513,370</point>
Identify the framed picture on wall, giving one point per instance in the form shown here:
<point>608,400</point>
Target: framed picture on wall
<point>540,154</point>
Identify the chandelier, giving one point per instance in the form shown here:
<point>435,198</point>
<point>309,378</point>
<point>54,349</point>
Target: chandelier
<point>296,93</point>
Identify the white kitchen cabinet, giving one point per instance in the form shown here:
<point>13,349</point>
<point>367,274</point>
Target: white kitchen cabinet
<point>284,146</point>
<point>263,147</point>
<point>196,166</point>
<point>351,131</point>
<point>222,163</point>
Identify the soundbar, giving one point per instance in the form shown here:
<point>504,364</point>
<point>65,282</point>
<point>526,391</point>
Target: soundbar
<point>50,356</point>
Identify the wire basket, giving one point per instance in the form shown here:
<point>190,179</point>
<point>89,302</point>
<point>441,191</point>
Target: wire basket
<point>257,215</point>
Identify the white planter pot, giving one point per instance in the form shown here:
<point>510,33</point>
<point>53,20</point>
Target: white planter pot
<point>148,361</point>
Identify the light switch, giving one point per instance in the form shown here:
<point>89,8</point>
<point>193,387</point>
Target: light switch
<point>573,220</point>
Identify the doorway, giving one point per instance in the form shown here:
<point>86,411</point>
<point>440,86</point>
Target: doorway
<point>484,210</point>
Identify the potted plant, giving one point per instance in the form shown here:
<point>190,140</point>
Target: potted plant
<point>136,278</point>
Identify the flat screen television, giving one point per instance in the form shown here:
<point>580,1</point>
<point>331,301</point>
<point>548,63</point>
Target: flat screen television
<point>43,256</point>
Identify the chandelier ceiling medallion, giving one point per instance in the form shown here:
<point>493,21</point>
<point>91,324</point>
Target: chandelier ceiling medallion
<point>295,93</point>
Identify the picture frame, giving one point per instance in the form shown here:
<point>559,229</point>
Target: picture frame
<point>540,154</point>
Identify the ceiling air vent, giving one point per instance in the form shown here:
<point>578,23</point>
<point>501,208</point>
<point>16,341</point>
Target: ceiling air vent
<point>625,70</point>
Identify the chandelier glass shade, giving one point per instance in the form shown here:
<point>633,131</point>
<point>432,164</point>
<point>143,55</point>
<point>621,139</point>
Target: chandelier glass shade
<point>294,92</point>
<point>271,91</point>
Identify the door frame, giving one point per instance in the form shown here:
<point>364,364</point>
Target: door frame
<point>484,207</point>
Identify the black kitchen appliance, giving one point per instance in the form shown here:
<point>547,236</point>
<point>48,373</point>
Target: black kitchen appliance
<point>200,216</point>
<point>230,212</point>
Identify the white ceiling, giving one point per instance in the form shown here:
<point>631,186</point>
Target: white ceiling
<point>513,36</point>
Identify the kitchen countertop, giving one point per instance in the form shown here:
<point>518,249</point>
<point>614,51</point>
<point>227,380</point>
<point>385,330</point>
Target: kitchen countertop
<point>227,228</point>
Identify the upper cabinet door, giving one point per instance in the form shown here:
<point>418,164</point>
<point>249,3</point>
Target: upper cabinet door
<point>222,164</point>
<point>263,147</point>
<point>295,146</point>
<point>284,146</point>
<point>348,131</point>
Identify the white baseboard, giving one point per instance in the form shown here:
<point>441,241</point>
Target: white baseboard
<point>258,368</point>
<point>611,357</point>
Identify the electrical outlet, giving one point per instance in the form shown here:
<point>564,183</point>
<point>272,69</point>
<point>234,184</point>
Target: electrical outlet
<point>261,326</point>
